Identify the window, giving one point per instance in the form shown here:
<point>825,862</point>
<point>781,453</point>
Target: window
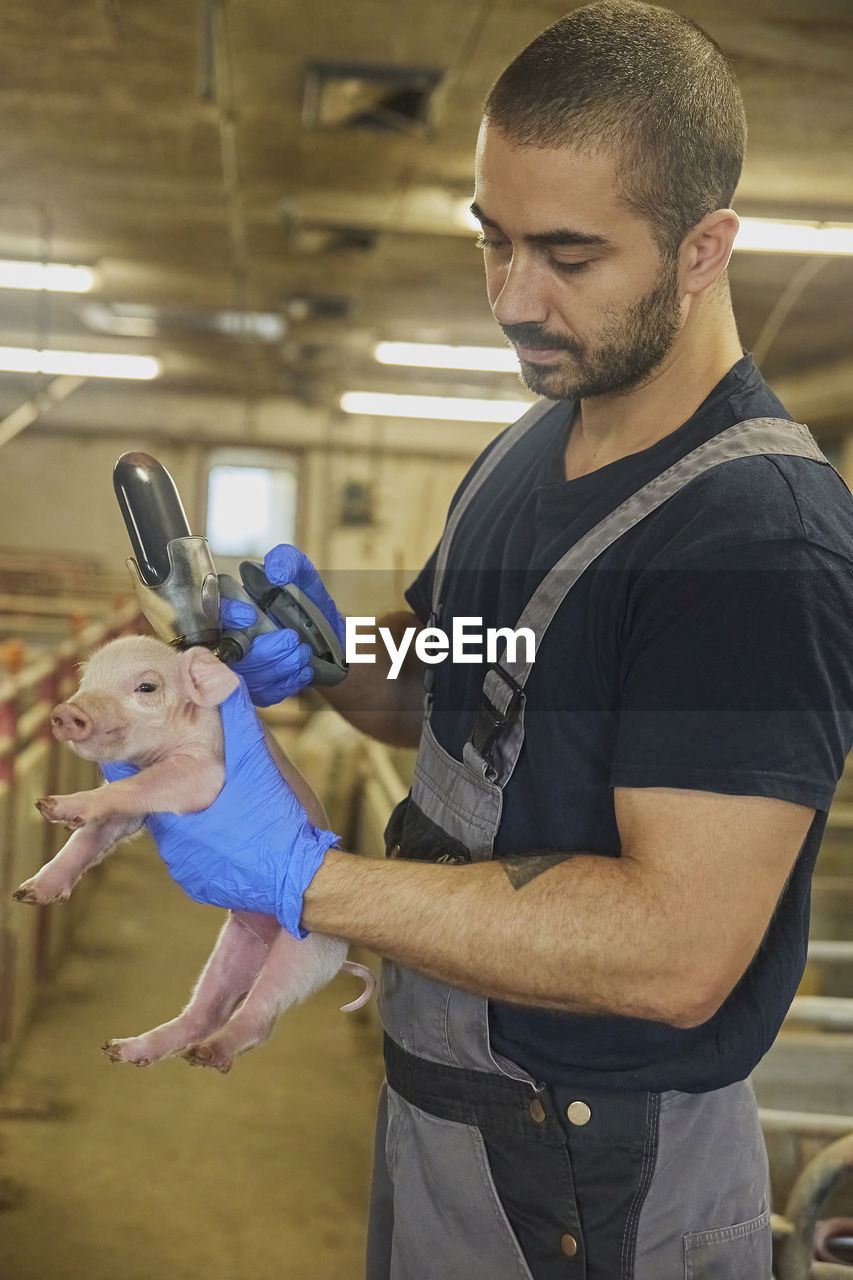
<point>251,503</point>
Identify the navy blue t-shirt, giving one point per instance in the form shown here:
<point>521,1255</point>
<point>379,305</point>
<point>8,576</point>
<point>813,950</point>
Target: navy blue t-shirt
<point>709,648</point>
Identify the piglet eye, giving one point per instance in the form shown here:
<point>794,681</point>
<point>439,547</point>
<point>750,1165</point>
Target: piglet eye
<point>146,687</point>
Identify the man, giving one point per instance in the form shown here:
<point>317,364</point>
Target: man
<point>627,826</point>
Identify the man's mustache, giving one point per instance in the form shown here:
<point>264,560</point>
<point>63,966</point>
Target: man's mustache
<point>538,339</point>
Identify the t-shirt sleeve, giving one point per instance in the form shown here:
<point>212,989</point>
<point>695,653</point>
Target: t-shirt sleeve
<point>737,674</point>
<point>419,593</point>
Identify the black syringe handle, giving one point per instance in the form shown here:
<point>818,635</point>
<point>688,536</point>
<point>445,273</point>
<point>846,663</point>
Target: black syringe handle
<point>152,510</point>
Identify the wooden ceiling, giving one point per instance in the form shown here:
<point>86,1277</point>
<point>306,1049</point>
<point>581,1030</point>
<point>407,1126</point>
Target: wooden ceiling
<point>173,145</point>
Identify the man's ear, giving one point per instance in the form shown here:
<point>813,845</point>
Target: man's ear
<point>207,680</point>
<point>707,248</point>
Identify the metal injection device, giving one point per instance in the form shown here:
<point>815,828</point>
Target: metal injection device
<point>179,591</point>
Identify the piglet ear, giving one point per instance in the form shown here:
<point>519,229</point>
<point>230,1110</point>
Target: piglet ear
<point>207,680</point>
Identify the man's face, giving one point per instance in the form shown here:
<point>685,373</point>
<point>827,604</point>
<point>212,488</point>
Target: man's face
<point>575,280</point>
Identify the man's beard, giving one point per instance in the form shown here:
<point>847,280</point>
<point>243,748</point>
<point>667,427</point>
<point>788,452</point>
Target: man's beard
<point>627,349</point>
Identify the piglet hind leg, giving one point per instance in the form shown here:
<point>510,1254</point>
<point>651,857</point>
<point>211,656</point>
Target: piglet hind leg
<point>229,974</point>
<point>293,969</point>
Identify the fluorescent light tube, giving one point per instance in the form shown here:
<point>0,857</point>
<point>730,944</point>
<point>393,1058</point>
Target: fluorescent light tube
<point>434,355</point>
<point>84,364</point>
<point>58,277</point>
<point>447,408</point>
<point>761,235</point>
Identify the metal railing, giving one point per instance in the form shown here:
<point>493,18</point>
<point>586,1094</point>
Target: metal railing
<point>32,764</point>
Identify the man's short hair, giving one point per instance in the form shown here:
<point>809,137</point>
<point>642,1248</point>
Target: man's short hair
<point>642,82</point>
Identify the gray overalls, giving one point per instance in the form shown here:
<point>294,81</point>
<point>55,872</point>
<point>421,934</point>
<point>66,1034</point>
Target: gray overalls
<point>482,1173</point>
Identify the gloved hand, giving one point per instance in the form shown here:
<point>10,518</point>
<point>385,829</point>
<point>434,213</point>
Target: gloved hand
<point>287,564</point>
<point>277,665</point>
<point>254,848</point>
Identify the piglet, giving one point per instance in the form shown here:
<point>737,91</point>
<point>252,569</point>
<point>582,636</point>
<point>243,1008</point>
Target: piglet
<point>141,701</point>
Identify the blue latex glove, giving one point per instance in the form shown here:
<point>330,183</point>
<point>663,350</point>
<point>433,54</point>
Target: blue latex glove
<point>287,564</point>
<point>254,848</point>
<point>277,665</point>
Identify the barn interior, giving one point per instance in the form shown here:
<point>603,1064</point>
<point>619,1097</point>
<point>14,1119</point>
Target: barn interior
<point>258,194</point>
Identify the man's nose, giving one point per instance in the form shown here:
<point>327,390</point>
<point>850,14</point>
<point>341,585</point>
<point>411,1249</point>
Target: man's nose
<point>518,292</point>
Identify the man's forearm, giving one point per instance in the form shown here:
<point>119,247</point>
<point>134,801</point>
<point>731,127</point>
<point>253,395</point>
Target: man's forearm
<point>568,932</point>
<point>388,709</point>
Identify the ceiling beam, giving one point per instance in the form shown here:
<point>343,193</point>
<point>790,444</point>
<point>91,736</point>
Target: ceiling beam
<point>31,409</point>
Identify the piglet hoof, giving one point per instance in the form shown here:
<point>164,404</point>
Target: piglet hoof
<point>28,895</point>
<point>208,1055</point>
<point>56,809</point>
<point>38,897</point>
<point>116,1052</point>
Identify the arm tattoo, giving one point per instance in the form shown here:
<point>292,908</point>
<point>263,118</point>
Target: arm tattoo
<point>521,868</point>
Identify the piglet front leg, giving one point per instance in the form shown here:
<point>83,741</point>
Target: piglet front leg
<point>56,879</point>
<point>80,809</point>
<point>184,783</point>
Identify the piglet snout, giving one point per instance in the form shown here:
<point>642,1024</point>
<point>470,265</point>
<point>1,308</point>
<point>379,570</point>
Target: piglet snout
<point>70,723</point>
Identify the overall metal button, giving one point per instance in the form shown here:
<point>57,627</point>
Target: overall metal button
<point>569,1245</point>
<point>394,851</point>
<point>537,1111</point>
<point>578,1112</point>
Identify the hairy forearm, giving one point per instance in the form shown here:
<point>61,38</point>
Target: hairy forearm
<point>569,932</point>
<point>390,710</point>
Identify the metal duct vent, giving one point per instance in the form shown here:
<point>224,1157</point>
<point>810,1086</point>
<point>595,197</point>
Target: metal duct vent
<point>316,306</point>
<point>320,237</point>
<point>370,96</point>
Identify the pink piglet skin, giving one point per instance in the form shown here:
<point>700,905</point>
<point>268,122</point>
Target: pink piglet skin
<point>143,702</point>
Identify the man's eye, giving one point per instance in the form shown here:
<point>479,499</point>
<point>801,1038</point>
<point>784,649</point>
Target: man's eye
<point>147,687</point>
<point>483,243</point>
<point>569,267</point>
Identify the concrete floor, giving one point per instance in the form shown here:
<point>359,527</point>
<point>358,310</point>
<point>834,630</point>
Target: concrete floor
<point>171,1170</point>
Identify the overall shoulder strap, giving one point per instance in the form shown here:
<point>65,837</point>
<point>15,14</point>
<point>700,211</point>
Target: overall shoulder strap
<point>500,730</point>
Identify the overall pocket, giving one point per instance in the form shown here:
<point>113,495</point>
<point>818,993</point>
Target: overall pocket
<point>741,1252</point>
<point>448,1219</point>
